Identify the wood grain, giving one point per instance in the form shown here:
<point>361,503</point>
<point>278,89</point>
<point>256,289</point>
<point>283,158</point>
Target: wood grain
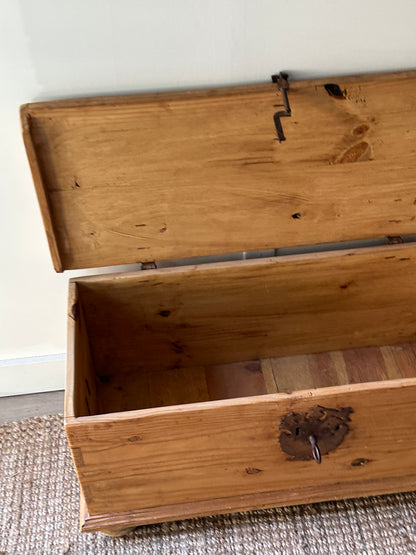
<point>373,364</point>
<point>121,391</point>
<point>81,397</point>
<point>247,310</point>
<point>141,390</point>
<point>238,379</point>
<point>203,453</point>
<point>42,194</point>
<point>142,178</point>
<point>122,522</point>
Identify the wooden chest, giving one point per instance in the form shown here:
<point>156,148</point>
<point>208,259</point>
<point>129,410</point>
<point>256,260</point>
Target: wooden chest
<point>215,387</point>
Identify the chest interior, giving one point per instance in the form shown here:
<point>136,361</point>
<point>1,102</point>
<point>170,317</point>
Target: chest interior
<point>194,334</point>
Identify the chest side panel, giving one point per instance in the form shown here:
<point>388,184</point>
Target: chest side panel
<point>221,451</point>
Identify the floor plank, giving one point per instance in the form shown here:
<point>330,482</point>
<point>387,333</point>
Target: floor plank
<point>25,406</point>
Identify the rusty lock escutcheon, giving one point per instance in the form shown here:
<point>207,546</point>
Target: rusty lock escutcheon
<point>309,435</point>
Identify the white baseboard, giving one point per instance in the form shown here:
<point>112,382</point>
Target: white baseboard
<point>21,376</point>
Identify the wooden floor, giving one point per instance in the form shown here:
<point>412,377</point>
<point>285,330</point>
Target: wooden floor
<point>26,406</point>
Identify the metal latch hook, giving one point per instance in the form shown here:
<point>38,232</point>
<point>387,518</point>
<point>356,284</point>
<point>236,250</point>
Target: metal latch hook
<point>282,82</point>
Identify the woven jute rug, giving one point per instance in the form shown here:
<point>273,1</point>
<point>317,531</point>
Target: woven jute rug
<point>39,513</point>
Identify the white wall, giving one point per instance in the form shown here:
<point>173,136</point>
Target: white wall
<point>53,49</point>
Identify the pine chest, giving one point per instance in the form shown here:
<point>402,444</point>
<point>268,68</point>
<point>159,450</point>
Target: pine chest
<point>283,375</point>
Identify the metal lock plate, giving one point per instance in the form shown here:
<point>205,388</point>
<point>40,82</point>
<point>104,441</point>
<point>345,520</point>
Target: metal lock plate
<point>309,435</point>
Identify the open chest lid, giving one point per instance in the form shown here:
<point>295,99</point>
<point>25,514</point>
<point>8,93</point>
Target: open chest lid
<point>149,177</point>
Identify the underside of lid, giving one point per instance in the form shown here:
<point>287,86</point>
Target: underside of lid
<point>148,177</point>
